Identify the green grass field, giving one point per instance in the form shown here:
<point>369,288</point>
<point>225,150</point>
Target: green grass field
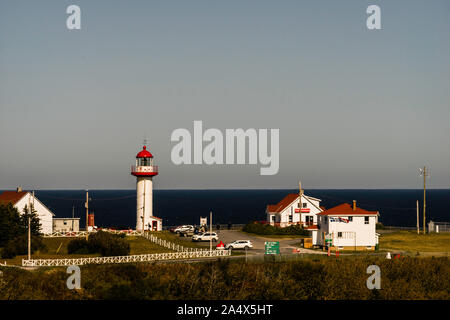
<point>413,242</point>
<point>57,249</point>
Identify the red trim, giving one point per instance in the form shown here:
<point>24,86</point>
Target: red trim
<point>143,174</point>
<point>307,210</point>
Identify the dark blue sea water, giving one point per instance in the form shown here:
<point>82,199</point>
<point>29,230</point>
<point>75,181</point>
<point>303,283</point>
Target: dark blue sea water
<point>117,208</point>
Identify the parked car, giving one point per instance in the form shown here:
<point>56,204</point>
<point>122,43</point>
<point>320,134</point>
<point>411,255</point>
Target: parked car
<point>187,232</point>
<point>239,244</point>
<point>183,228</point>
<point>206,236</point>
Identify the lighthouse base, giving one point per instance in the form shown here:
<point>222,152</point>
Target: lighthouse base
<point>154,224</point>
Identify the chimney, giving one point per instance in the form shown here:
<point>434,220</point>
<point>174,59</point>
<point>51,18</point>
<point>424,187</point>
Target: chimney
<point>19,189</point>
<point>354,205</point>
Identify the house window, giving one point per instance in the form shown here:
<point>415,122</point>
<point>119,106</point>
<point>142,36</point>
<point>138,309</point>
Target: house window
<point>350,219</point>
<point>339,234</point>
<point>273,218</point>
<point>304,205</point>
<point>290,218</point>
<point>326,220</point>
<point>366,220</point>
<point>65,223</point>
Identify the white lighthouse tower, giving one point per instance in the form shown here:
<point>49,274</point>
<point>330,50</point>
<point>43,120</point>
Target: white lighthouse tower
<point>144,171</point>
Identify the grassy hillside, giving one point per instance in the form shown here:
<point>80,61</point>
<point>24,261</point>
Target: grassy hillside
<point>321,278</point>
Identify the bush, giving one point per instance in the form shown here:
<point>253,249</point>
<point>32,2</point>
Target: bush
<point>19,246</point>
<point>379,226</point>
<point>105,243</point>
<point>267,229</point>
<point>78,246</point>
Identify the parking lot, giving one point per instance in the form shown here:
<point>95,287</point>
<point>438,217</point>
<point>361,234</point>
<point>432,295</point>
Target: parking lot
<point>227,236</point>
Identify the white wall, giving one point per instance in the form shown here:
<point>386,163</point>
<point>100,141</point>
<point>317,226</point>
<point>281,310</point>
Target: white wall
<point>311,204</point>
<point>364,233</point>
<point>44,214</point>
<point>144,201</point>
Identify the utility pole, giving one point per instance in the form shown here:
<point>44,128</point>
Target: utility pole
<point>417,209</point>
<point>87,214</point>
<point>73,214</point>
<point>210,231</point>
<point>29,226</point>
<point>424,173</point>
<point>300,199</point>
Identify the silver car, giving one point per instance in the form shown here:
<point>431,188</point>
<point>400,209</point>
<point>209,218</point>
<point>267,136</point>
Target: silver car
<point>240,244</point>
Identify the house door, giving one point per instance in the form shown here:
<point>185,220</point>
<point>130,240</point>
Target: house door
<point>155,225</point>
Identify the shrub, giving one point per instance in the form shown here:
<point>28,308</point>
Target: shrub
<point>379,226</point>
<point>105,243</point>
<point>267,229</point>
<point>19,246</point>
<point>78,246</point>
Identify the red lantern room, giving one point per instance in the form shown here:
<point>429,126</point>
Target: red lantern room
<point>144,164</point>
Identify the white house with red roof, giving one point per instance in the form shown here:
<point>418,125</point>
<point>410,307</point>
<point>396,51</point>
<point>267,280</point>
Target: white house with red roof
<point>294,209</point>
<point>347,227</point>
<point>19,199</point>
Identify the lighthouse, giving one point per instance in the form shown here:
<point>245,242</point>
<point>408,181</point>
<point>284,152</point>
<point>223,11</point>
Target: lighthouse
<point>144,171</point>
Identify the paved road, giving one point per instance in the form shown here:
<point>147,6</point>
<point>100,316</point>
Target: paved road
<point>286,244</point>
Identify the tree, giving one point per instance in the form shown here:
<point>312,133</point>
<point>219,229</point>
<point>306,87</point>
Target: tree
<point>10,223</point>
<point>14,230</point>
<point>34,223</point>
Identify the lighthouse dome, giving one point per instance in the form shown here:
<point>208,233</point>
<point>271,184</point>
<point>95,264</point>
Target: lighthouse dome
<point>144,153</point>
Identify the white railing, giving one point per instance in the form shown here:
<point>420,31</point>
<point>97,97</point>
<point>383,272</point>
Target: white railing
<point>83,233</point>
<point>144,169</point>
<point>126,259</point>
<point>171,245</point>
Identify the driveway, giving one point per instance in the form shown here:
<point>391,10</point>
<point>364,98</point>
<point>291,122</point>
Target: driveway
<point>286,244</point>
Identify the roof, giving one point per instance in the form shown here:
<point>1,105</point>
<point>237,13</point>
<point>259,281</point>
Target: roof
<point>346,209</point>
<point>144,153</point>
<point>284,203</point>
<point>15,196</point>
<point>12,196</point>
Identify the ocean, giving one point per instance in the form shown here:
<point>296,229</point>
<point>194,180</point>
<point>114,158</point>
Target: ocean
<point>117,208</point>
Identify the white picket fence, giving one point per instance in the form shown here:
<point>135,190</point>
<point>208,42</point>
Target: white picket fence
<point>181,253</point>
<point>83,233</point>
<point>126,259</point>
<point>170,245</point>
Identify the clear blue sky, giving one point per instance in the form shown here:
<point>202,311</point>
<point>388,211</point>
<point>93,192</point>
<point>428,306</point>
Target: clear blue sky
<point>355,108</point>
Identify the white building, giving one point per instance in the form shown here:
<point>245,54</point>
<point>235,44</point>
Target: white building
<point>66,224</point>
<point>20,199</point>
<point>144,171</point>
<point>347,227</point>
<point>294,210</point>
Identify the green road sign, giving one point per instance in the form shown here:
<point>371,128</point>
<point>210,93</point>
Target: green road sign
<point>272,247</point>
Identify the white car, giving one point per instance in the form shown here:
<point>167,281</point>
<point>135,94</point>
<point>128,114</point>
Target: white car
<point>183,228</point>
<point>239,244</point>
<point>206,236</point>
